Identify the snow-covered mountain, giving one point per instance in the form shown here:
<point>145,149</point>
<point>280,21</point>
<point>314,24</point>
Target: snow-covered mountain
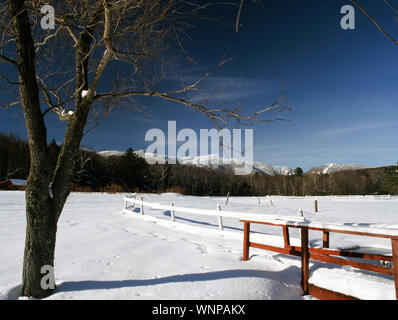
<point>335,167</point>
<point>111,153</point>
<point>220,163</point>
<point>213,161</point>
<point>273,170</point>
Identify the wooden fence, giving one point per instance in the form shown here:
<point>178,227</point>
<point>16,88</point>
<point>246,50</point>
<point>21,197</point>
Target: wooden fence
<point>325,254</point>
<point>218,212</point>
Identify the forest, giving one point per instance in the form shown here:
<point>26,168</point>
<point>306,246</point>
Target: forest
<point>131,173</point>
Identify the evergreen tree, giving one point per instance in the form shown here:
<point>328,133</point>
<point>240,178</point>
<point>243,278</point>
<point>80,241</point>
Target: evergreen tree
<point>131,157</point>
<point>390,180</point>
<point>136,173</point>
<point>298,172</point>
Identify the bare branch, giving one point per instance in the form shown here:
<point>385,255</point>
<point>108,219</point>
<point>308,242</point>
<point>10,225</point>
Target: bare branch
<point>7,105</point>
<point>238,18</point>
<point>50,36</point>
<point>6,79</point>
<point>97,118</point>
<point>203,78</point>
<point>391,7</point>
<point>9,60</point>
<point>374,21</point>
<point>108,51</point>
<point>218,116</point>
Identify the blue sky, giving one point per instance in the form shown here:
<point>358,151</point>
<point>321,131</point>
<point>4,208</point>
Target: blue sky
<point>341,86</point>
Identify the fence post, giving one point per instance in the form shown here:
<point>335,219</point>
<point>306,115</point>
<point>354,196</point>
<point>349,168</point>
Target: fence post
<point>227,198</point>
<point>220,224</point>
<point>142,206</point>
<point>304,260</point>
<point>300,213</point>
<point>172,212</point>
<point>326,239</point>
<point>394,245</point>
<point>135,197</point>
<point>246,240</point>
<point>286,237</point>
<point>316,205</point>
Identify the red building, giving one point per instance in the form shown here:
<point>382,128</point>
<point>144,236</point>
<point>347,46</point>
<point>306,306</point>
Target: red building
<point>12,184</point>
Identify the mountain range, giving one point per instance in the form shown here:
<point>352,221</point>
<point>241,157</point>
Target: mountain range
<point>220,163</point>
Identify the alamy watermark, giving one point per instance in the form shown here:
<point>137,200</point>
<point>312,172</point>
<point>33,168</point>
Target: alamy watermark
<point>48,20</point>
<point>231,141</point>
<point>48,280</point>
<point>183,145</point>
<point>348,20</point>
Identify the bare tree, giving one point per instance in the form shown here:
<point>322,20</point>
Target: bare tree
<point>116,50</point>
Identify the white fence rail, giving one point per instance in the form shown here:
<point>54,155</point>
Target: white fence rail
<point>134,201</point>
<point>285,220</point>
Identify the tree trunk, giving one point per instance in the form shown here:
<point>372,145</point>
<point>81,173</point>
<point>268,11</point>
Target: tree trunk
<point>41,220</point>
<point>42,208</point>
<point>41,228</point>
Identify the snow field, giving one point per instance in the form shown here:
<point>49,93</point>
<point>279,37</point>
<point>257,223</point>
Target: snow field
<point>104,254</point>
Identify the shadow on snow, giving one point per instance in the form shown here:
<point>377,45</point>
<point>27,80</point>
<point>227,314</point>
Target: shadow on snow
<point>289,277</point>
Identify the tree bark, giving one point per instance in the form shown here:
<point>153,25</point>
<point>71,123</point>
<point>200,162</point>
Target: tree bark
<point>43,208</point>
<point>41,231</point>
<point>41,221</point>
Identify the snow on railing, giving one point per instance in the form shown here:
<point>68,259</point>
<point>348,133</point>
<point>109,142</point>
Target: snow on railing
<point>206,212</point>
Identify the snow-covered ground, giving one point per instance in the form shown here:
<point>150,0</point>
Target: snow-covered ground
<point>105,254</point>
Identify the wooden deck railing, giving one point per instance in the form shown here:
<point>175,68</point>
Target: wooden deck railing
<point>326,254</point>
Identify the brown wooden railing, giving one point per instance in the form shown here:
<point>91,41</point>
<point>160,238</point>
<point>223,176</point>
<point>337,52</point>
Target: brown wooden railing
<point>326,254</point>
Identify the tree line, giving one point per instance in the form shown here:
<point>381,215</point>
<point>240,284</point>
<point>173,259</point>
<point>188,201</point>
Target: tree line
<point>131,173</point>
